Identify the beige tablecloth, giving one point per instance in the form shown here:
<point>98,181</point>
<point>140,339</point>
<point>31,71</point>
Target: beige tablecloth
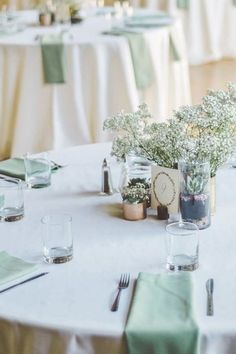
<point>100,82</point>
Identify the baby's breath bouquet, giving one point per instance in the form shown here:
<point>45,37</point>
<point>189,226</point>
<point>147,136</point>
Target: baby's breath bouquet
<point>135,194</point>
<point>204,132</point>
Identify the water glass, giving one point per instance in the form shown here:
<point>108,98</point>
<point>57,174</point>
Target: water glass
<point>57,238</point>
<point>37,170</point>
<point>11,199</point>
<point>182,246</point>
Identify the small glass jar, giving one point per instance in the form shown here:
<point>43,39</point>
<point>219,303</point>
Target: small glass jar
<point>135,170</point>
<point>195,193</point>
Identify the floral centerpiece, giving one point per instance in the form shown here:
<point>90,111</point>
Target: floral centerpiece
<point>135,197</point>
<point>134,193</point>
<point>199,133</point>
<point>204,132</point>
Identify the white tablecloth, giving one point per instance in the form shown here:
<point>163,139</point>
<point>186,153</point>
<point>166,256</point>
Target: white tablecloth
<point>68,310</point>
<point>36,117</point>
<point>209,26</point>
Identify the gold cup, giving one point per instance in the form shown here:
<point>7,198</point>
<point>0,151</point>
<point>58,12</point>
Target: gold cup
<point>135,212</point>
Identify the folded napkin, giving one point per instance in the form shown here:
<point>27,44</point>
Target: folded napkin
<point>161,320</point>
<point>12,268</point>
<point>15,167</point>
<point>54,59</point>
<point>183,4</point>
<point>149,21</point>
<point>140,54</point>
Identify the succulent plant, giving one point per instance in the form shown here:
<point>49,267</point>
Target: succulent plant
<point>195,185</point>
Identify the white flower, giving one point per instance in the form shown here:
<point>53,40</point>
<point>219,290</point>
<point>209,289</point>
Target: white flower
<point>204,132</point>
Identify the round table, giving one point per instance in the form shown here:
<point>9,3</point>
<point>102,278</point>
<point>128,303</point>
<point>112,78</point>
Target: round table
<point>100,82</point>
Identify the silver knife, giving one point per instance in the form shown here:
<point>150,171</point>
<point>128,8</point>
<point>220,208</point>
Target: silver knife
<point>24,281</point>
<point>210,289</point>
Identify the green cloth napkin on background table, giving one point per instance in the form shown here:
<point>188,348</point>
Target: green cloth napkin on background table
<point>12,268</point>
<point>140,54</point>
<point>161,319</point>
<point>15,167</point>
<point>183,4</point>
<point>54,59</point>
<point>234,2</point>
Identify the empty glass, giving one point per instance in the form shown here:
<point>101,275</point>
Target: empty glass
<point>37,170</point>
<point>11,199</point>
<point>182,246</point>
<point>57,238</point>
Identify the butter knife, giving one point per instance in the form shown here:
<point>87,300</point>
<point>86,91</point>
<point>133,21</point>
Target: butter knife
<point>23,282</point>
<point>210,289</point>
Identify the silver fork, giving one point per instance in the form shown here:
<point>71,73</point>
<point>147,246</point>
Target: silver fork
<point>123,284</point>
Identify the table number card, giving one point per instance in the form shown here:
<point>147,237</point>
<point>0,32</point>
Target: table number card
<point>165,188</point>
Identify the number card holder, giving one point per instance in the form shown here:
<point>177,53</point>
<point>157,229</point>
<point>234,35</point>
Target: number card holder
<point>165,188</point>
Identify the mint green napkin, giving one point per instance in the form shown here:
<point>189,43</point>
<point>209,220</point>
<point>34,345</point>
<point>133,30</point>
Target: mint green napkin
<point>12,268</point>
<point>151,15</point>
<point>234,2</point>
<point>161,320</point>
<point>183,4</point>
<point>15,167</point>
<point>54,59</point>
<point>149,20</point>
<point>141,58</point>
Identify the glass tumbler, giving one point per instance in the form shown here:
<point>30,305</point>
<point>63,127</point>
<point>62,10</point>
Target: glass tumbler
<point>57,238</point>
<point>37,170</point>
<point>11,199</point>
<point>182,246</point>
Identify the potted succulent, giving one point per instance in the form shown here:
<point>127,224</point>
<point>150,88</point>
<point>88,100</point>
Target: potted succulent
<point>195,193</point>
<point>135,198</point>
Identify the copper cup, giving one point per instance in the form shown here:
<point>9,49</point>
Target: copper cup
<point>135,212</point>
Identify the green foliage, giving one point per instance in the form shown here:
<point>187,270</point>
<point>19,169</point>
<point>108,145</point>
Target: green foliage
<point>135,194</point>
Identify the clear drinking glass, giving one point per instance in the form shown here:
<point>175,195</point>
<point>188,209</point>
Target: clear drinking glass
<point>11,199</point>
<point>37,170</point>
<point>57,238</point>
<point>182,246</point>
<point>137,169</point>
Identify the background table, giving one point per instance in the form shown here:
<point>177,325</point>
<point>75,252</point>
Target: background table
<point>36,117</point>
<point>68,311</point>
<point>209,26</point>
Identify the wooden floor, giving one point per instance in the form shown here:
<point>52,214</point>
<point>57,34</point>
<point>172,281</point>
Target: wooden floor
<point>214,76</point>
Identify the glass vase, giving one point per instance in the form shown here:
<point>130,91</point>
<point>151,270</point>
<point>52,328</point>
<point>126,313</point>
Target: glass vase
<point>136,170</point>
<point>195,193</point>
